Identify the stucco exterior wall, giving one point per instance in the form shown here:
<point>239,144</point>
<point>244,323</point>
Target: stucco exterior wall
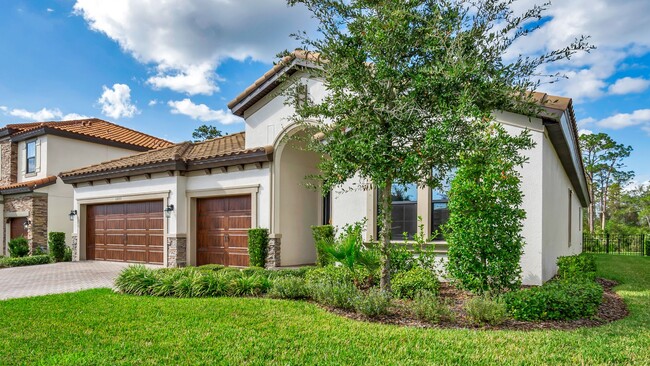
<point>556,188</point>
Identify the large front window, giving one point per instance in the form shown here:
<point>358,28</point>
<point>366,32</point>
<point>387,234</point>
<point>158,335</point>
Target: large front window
<point>405,211</point>
<point>31,157</point>
<point>439,213</point>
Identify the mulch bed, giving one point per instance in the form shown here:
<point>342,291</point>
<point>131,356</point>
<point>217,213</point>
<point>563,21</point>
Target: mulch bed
<point>613,308</point>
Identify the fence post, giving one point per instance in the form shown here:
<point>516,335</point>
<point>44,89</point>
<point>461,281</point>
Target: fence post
<point>607,243</point>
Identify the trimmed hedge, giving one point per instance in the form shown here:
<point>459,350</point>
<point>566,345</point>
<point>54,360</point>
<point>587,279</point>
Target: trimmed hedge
<point>56,243</point>
<point>323,234</point>
<point>576,266</point>
<point>556,300</point>
<point>18,247</point>
<point>258,242</point>
<point>25,261</point>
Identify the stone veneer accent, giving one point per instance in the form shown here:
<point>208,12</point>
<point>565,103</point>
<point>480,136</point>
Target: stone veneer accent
<point>9,163</point>
<point>176,251</point>
<point>74,245</point>
<point>36,205</point>
<point>273,251</point>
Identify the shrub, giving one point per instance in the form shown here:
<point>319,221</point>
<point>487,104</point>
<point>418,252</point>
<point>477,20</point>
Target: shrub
<point>56,243</point>
<point>165,282</point>
<point>188,280</point>
<point>38,251</point>
<point>407,284</point>
<point>24,261</point>
<point>576,266</point>
<point>339,295</point>
<point>284,273</point>
<point>372,303</point>
<point>258,241</point>
<point>426,306</point>
<point>556,300</point>
<point>289,287</point>
<point>323,236</point>
<point>401,259</point>
<point>329,274</point>
<point>483,310</point>
<point>136,280</point>
<point>485,241</point>
<point>249,285</point>
<point>211,267</point>
<point>210,284</point>
<point>67,254</point>
<point>18,247</point>
<point>255,271</point>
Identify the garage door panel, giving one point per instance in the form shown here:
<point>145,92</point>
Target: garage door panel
<point>222,230</point>
<point>128,231</point>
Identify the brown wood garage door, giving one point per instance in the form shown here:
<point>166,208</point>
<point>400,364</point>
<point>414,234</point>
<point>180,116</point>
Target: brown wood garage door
<point>125,232</point>
<point>222,230</point>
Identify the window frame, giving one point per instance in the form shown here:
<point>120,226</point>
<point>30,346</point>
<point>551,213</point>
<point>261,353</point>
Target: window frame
<point>27,157</point>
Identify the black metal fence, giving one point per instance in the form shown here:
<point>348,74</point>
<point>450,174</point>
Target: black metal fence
<point>616,244</point>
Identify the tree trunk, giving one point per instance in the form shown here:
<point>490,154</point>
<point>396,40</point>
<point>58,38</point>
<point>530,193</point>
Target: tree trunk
<point>386,222</point>
<point>590,217</point>
<point>603,208</point>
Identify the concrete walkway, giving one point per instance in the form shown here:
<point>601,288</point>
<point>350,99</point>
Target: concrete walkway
<point>57,278</point>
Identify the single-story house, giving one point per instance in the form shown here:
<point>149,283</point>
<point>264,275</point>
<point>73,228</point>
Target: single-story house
<point>33,201</point>
<point>194,201</point>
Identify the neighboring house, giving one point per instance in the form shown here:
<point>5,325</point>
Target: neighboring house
<point>192,203</point>
<point>33,201</point>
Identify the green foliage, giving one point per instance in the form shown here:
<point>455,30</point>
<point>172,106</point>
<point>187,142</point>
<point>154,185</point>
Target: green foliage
<point>426,306</point>
<point>329,274</point>
<point>482,310</point>
<point>248,271</point>
<point>555,300</point>
<point>211,267</point>
<point>323,236</point>
<point>339,295</point>
<point>283,273</point>
<point>56,243</point>
<point>18,247</point>
<point>410,83</point>
<point>24,261</point>
<point>372,303</point>
<point>38,251</point>
<point>576,266</point>
<point>205,132</point>
<point>258,242</point>
<point>288,287</point>
<point>250,285</point>
<point>136,280</point>
<point>486,218</point>
<point>67,254</point>
<point>406,285</point>
<point>401,259</point>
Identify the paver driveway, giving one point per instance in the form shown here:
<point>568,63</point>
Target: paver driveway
<point>57,278</point>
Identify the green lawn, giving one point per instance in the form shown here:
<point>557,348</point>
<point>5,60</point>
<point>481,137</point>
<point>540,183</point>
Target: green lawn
<point>98,327</point>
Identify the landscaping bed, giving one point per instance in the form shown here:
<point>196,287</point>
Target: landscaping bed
<point>611,309</point>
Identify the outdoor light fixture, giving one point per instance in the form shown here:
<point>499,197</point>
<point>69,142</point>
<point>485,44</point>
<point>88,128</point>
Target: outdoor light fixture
<point>168,210</point>
<point>27,224</point>
<point>72,214</point>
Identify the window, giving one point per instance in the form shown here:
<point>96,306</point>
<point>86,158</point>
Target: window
<point>570,214</point>
<point>440,207</point>
<point>31,157</point>
<point>405,211</point>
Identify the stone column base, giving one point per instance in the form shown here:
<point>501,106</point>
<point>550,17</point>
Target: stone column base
<point>176,252</point>
<point>74,245</point>
<point>273,251</point>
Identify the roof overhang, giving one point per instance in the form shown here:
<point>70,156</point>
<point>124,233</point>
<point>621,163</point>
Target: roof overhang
<point>25,189</point>
<point>564,137</point>
<point>53,131</point>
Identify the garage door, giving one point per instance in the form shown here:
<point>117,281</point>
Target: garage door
<point>125,232</point>
<point>222,230</point>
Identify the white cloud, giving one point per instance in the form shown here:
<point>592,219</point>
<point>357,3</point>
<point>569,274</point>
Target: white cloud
<point>116,102</point>
<point>202,112</point>
<point>618,28</point>
<point>585,132</point>
<point>49,10</point>
<point>41,115</point>
<point>153,102</point>
<point>640,117</point>
<point>186,40</point>
<point>586,121</point>
<point>628,85</point>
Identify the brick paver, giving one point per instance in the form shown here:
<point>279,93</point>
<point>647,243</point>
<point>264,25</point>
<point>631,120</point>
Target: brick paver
<point>57,278</point>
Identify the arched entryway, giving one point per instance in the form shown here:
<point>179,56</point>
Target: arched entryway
<point>296,208</point>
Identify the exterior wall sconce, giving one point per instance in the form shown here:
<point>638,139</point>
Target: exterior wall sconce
<point>72,214</point>
<point>168,211</point>
<point>27,224</point>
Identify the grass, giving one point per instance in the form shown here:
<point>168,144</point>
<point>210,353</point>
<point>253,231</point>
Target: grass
<point>99,327</point>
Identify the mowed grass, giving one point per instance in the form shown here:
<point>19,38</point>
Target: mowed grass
<point>99,327</point>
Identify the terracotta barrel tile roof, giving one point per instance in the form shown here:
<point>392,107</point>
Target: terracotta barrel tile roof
<point>185,153</point>
<point>94,128</point>
<point>29,185</point>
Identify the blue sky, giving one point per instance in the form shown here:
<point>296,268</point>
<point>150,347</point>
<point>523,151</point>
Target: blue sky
<point>167,67</point>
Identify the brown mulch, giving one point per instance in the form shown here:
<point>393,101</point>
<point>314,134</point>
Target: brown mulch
<point>612,308</point>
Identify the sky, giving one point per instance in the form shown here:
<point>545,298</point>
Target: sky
<point>166,67</point>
